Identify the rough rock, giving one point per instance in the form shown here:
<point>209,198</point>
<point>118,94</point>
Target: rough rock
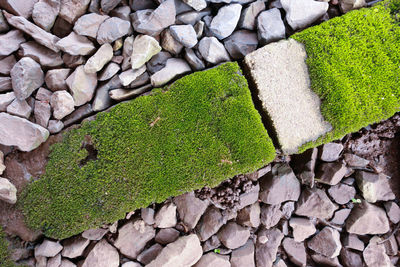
<point>4,27</point>
<point>212,50</point>
<point>102,99</point>
<point>267,245</point>
<point>196,4</point>
<point>109,71</point>
<point>74,247</point>
<point>374,187</point>
<point>350,258</point>
<point>393,211</point>
<point>82,85</point>
<point>102,255</point>
<point>148,255</point>
<point>73,9</point>
<point>8,192</point>
<point>169,43</point>
<point>41,36</point>
<point>17,7</point>
<point>40,54</point>
<point>224,23</point>
<point>42,113</point>
<point>127,77</point>
<point>166,236</point>
<point>342,193</point>
<point>112,29</point>
<point>166,216</point>
<point>353,160</point>
<point>193,60</point>
<point>315,203</point>
<point>185,251</point>
<point>348,5</point>
<point>321,260</point>
<point>108,5</point>
<point>73,61</point>
<point>144,47</point>
<point>367,219</point>
<point>296,251</point>
<point>48,249</point>
<point>5,84</point>
<point>10,42</point>
<point>133,237</point>
<point>5,100</point>
<point>340,216</point>
<point>192,17</point>
<point>352,241</point>
<point>43,94</point>
<point>213,259</point>
<point>173,68</point>
<point>66,263</point>
<point>27,76</point>
<point>270,215</point>
<point>210,223</point>
<point>270,27</point>
<point>76,45</point>
<point>55,79</point>
<point>6,64</point>
<point>185,34</point>
<point>391,246</point>
<point>330,173</point>
<point>233,235</point>
<point>147,215</point>
<point>243,256</point>
<point>158,61</point>
<point>249,14</point>
<point>19,108</point>
<point>96,62</point>
<point>94,234</point>
<point>326,242</point>
<point>375,255</point>
<point>55,261</point>
<point>190,209</point>
<point>55,126</point>
<point>301,13</point>
<point>331,152</point>
<point>88,25</point>
<point>249,216</point>
<point>279,186</point>
<point>45,12</point>
<point>241,43</point>
<point>152,22</point>
<point>62,103</point>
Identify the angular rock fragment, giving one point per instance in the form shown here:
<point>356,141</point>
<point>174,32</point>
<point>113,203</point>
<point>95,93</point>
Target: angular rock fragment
<point>17,7</point>
<point>192,17</point>
<point>82,85</point>
<point>350,258</point>
<point>55,126</point>
<point>241,43</point>
<point>43,94</point>
<point>74,247</point>
<point>55,79</point>
<point>48,249</point>
<point>296,251</point>
<point>393,211</point>
<point>27,76</point>
<point>130,75</point>
<point>6,64</point>
<point>270,27</point>
<point>166,216</point>
<point>10,41</point>
<point>148,255</point>
<point>73,9</point>
<point>301,13</point>
<point>173,68</point>
<point>108,5</point>
<point>375,255</point>
<point>78,114</point>
<point>243,256</point>
<point>331,152</point>
<point>94,234</point>
<point>19,108</point>
<point>267,245</point>
<point>340,216</point>
<point>352,241</point>
<point>76,45</point>
<point>233,235</point>
<point>102,255</point>
<point>45,12</point>
<point>166,236</point>
<point>249,216</point>
<point>158,61</point>
<point>213,259</point>
<point>42,113</point>
<point>96,62</point>
<point>196,4</point>
<point>355,161</point>
<point>109,71</point>
<point>169,43</point>
<point>8,192</point>
<point>125,94</point>
<point>374,187</point>
<point>190,209</point>
<point>185,34</point>
<point>41,54</point>
<point>5,100</point>
<point>5,84</point>
<point>210,223</point>
<point>302,228</point>
<point>112,29</point>
<point>73,61</point>
<point>248,17</point>
<point>62,104</point>
<point>315,203</point>
<point>342,193</point>
<point>88,25</point>
<point>193,60</point>
<point>326,242</point>
<point>270,215</point>
<point>102,99</point>
<point>224,23</point>
<point>212,50</point>
<point>144,47</point>
<point>330,173</point>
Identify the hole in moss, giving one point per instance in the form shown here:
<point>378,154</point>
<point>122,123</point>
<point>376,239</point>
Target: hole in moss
<point>92,151</point>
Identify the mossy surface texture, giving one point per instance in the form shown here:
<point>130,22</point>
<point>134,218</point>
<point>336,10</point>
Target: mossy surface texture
<point>201,130</point>
<point>5,261</point>
<point>354,65</point>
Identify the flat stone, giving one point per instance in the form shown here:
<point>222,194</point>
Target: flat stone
<point>45,12</point>
<point>350,258</point>
<point>102,56</point>
<point>77,115</point>
<point>185,251</point>
<point>249,216</point>
<point>88,25</point>
<point>302,228</point>
<point>94,234</point>
<point>55,79</point>
<point>374,187</point>
<point>73,9</point>
<point>144,47</point>
<point>102,255</point>
<point>270,215</point>
<point>8,192</point>
<point>40,54</point>
<point>249,197</point>
<point>355,161</point>
<point>42,113</point>
<point>375,255</point>
<point>41,36</point>
<point>210,223</point>
<point>133,237</point>
<point>166,216</point>
<point>326,242</point>
<point>296,251</point>
<point>82,85</point>
<point>340,216</point>
<point>212,50</point>
<point>249,14</point>
<point>267,245</point>
<point>243,256</point>
<point>270,27</point>
<point>148,255</point>
<point>185,34</point>
<point>27,76</point>
<point>278,90</point>
<point>76,45</point>
<point>127,77</point>
<point>55,126</point>
<point>102,99</point>
<point>213,259</point>
<point>125,94</point>
<point>196,4</point>
<point>152,22</point>
<point>194,61</point>
<point>342,193</point>
<point>6,64</point>
<point>62,103</point>
<point>224,23</point>
<point>315,203</point>
<point>190,209</point>
<point>158,61</point>
<point>10,42</point>
<point>5,84</point>
<point>392,211</point>
<point>173,68</point>
<point>169,43</point>
<point>48,249</point>
<point>301,13</point>
<point>233,235</point>
<point>74,247</point>
<point>108,5</point>
<point>112,29</point>
<point>331,152</point>
<point>109,71</point>
<point>166,236</point>
<point>367,219</point>
<point>352,241</point>
<point>330,173</point>
<point>19,8</point>
<point>19,108</point>
<point>241,43</point>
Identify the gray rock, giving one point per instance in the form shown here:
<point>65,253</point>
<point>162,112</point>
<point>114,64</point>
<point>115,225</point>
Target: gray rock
<point>147,215</point>
<point>331,152</point>
<point>374,187</point>
<point>73,61</point>
<point>211,244</point>
<point>152,22</point>
<point>192,17</point>
<point>213,259</point>
<point>342,193</point>
<point>233,235</point>
<point>5,84</point>
<point>249,197</point>
<point>367,219</point>
<point>287,209</point>
<point>279,186</point>
<point>352,241</point>
<point>109,71</point>
<point>302,228</point>
<point>131,264</point>
<point>55,126</point>
<point>270,27</point>
<point>391,246</point>
<point>267,245</point>
<point>94,234</point>
<point>199,28</point>
<point>196,4</point>
<point>166,236</point>
<point>62,104</point>
<point>82,85</point>
<point>102,99</point>
<point>350,258</point>
<point>96,62</point>
<point>40,54</point>
<point>144,47</point>
<point>194,62</point>
<point>42,113</point>
<point>301,13</point>
<point>55,79</point>
<point>66,263</point>
<point>55,261</point>
<point>108,5</point>
<point>127,77</point>
<point>322,260</point>
<point>6,64</point>
<point>326,242</point>
<point>249,14</point>
<point>125,94</point>
<point>348,5</point>
<point>185,251</point>
<point>8,192</point>
<point>112,29</point>
<point>185,34</point>
<point>4,27</point>
<point>19,108</point>
<point>169,43</point>
<point>127,52</point>
<point>102,255</point>
<point>9,42</point>
<point>158,61</point>
<point>27,76</point>
<point>296,251</point>
<point>190,209</point>
<point>73,9</point>
<point>243,256</point>
<point>375,255</point>
<point>212,50</point>
<point>88,25</point>
<point>224,23</point>
<point>76,45</point>
<point>270,215</point>
<point>78,114</point>
<point>5,100</point>
<point>166,216</point>
<point>330,173</point>
<point>241,43</point>
<point>315,203</point>
<point>210,223</point>
<point>74,247</point>
<point>249,216</point>
<point>355,161</point>
<point>48,249</point>
<point>393,211</point>
<point>41,36</point>
<point>122,12</point>
<point>173,68</point>
<point>340,216</point>
<point>148,255</point>
<point>304,166</point>
<point>45,12</point>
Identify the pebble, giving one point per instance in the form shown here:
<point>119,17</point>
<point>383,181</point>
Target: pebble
<point>76,45</point>
<point>94,234</point>
<point>108,5</point>
<point>109,71</point>
<point>96,62</point>
<point>8,192</point>
<point>210,223</point>
<point>194,61</point>
<point>158,61</point>
<point>190,209</point>
<point>112,29</point>
<point>192,17</point>
<point>88,25</point>
<point>130,75</point>
<point>144,47</point>
<point>148,255</point>
<point>82,85</point>
<point>166,236</point>
<point>62,104</point>
<point>45,12</point>
<point>270,27</point>
<point>55,126</point>
<point>48,249</point>
<point>315,203</point>
<point>224,23</point>
<point>330,173</point>
<point>212,50</point>
<point>173,68</point>
<point>74,247</point>
<point>27,76</point>
<point>185,34</point>
<point>331,152</point>
<point>342,193</point>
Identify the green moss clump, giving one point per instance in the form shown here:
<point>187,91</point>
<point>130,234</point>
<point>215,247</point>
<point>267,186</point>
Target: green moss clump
<point>354,65</point>
<point>5,260</point>
<point>199,131</point>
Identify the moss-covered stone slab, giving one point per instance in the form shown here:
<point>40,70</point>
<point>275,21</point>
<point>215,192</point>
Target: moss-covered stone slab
<point>199,131</point>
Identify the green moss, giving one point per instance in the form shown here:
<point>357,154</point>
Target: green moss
<point>354,65</point>
<point>200,131</point>
<point>5,260</point>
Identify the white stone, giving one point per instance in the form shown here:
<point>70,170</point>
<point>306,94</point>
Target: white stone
<point>89,24</point>
<point>224,23</point>
<point>130,75</point>
<point>8,192</point>
<point>62,104</point>
<point>212,50</point>
<point>144,47</point>
<point>20,108</point>
<point>82,85</point>
<point>27,76</point>
<point>99,59</point>
<point>76,45</point>
<point>196,4</point>
<point>301,13</point>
